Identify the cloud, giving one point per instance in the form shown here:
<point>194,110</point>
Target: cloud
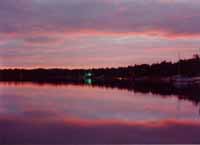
<point>92,51</point>
<point>169,18</point>
<point>100,32</point>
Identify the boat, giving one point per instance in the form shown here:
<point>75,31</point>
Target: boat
<point>185,82</point>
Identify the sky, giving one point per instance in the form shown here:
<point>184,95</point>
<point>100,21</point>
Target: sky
<point>96,33</point>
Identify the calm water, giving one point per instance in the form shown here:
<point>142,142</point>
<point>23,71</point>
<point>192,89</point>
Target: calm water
<point>32,113</point>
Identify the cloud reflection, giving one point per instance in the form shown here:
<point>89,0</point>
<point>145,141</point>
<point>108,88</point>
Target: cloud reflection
<point>18,131</point>
<point>91,103</point>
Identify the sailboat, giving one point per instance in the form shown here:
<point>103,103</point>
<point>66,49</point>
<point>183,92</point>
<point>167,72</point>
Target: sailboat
<point>182,82</point>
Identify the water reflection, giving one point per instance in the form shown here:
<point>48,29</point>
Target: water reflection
<point>69,113</point>
<point>88,81</point>
<point>49,132</point>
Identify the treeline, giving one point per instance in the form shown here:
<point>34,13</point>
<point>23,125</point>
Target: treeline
<point>41,75</point>
<point>186,67</point>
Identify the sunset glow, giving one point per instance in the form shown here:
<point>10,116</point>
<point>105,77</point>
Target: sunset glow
<point>96,33</point>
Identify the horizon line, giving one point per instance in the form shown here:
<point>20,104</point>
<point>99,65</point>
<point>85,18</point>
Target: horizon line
<point>87,68</point>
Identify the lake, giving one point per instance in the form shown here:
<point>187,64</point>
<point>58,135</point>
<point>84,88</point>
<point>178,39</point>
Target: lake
<point>47,113</point>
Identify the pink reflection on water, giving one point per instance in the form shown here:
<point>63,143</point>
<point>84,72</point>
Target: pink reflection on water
<point>15,130</point>
<point>32,114</point>
<point>90,103</point>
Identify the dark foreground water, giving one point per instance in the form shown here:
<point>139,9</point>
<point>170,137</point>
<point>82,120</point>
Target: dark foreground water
<point>57,114</point>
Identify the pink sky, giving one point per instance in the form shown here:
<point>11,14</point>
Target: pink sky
<point>96,33</point>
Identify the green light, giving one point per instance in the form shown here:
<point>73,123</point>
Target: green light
<point>88,74</point>
<point>88,81</point>
<point>88,78</point>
